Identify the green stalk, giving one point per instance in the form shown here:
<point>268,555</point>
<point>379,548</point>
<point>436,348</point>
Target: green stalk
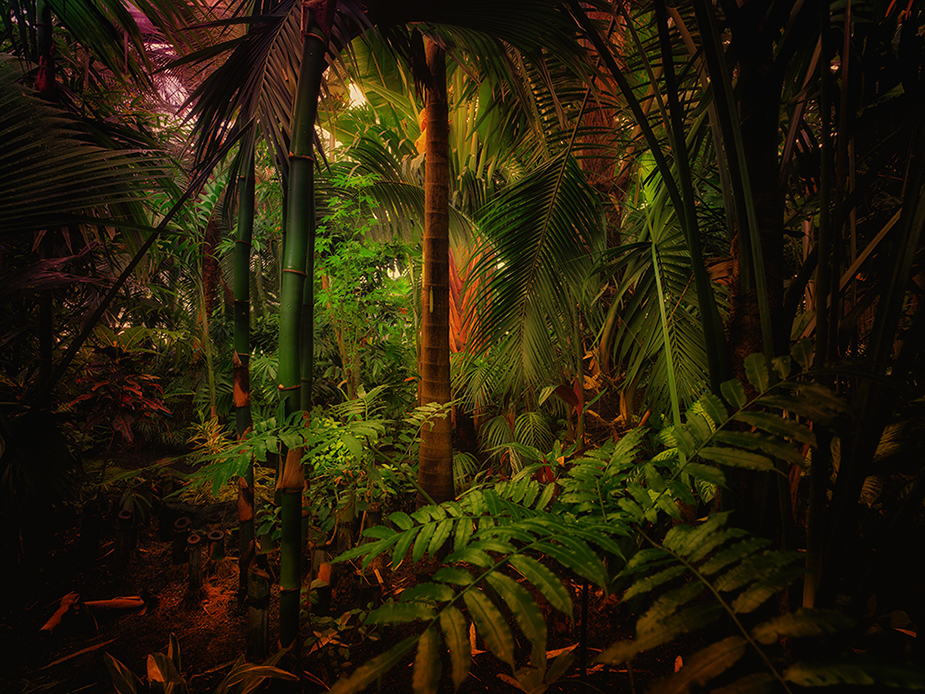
<point>242,349</point>
<point>672,384</point>
<point>300,229</point>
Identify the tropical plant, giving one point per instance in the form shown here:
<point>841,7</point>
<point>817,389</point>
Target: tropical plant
<point>608,502</point>
<point>164,674</point>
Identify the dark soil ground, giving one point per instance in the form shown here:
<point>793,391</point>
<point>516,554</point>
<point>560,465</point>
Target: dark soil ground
<point>211,631</point>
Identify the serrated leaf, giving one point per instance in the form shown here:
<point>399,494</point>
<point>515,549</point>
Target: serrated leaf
<point>800,624</point>
<point>375,668</point>
<point>714,409</point>
<point>757,594</point>
<point>491,624</point>
<point>703,666</point>
<point>736,457</point>
<point>804,407</point>
<point>545,581</point>
<point>426,674</point>
<point>783,366</point>
<point>471,556</point>
<point>454,629</point>
<point>734,392</point>
<point>673,626</point>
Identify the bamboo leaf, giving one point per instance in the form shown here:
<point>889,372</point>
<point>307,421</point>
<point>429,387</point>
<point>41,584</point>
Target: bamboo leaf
<point>491,624</point>
<point>426,674</point>
<point>453,625</point>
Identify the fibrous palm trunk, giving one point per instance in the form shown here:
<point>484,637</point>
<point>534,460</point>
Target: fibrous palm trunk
<point>435,474</point>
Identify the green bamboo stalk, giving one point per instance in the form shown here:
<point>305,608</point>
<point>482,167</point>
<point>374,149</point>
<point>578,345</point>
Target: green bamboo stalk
<point>242,349</point>
<point>300,228</point>
<point>435,473</point>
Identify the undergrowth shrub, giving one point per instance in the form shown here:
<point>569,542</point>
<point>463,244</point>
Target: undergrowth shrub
<point>601,520</point>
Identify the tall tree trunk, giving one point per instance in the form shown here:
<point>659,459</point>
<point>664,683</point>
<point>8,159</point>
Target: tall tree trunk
<point>242,350</point>
<point>435,474</point>
<point>298,261</point>
<point>45,86</point>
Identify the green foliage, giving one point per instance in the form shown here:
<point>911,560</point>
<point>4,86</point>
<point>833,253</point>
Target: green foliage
<point>520,539</point>
<point>118,394</point>
<point>164,674</point>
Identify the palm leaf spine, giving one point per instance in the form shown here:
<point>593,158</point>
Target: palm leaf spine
<point>435,473</point>
<point>714,339</point>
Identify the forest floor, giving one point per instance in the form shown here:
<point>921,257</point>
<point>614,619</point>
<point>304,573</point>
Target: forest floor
<point>211,630</point>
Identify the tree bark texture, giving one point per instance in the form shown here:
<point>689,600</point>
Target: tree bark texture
<point>435,474</point>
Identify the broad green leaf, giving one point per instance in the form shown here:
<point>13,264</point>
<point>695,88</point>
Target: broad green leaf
<point>760,442</point>
<point>471,556</point>
<point>706,473</point>
<point>426,675</point>
<point>402,546</point>
<point>463,532</point>
<point>427,591</point>
<point>703,666</point>
<point>454,575</point>
<point>379,532</point>
<point>491,624</point>
<point>546,496</point>
<point>423,541</point>
<point>714,409</point>
<point>760,592</point>
<point>756,370</point>
<point>454,629</point>
<point>801,624</point>
<point>644,585</point>
<point>803,352</point>
<point>775,424</point>
<point>522,605</point>
<point>734,392</point>
<point>365,675</point>
<point>441,535</point>
<point>395,612</point>
<point>545,581</point>
<point>738,458</point>
<point>401,520</point>
<point>732,554</point>
<point>857,670</point>
<point>805,407</point>
<point>783,366</point>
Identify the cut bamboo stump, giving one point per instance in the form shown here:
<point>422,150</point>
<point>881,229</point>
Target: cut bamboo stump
<point>181,529</point>
<point>216,545</point>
